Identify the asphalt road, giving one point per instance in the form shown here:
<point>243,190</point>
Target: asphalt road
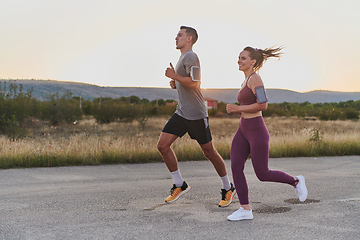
<point>127,202</point>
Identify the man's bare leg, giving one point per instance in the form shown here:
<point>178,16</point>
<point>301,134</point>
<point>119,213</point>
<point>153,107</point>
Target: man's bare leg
<point>214,157</point>
<point>168,155</point>
<point>228,191</point>
<point>180,186</point>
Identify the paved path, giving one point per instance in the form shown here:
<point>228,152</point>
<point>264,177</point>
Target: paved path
<point>127,202</point>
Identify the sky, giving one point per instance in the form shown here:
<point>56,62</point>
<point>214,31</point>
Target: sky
<point>131,43</point>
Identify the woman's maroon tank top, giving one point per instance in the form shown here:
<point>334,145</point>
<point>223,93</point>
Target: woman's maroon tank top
<point>245,95</point>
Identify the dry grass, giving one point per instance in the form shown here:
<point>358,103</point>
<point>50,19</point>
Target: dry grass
<point>89,143</point>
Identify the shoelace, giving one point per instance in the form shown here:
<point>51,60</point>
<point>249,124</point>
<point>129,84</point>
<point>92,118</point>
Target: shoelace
<point>223,195</point>
<point>174,192</point>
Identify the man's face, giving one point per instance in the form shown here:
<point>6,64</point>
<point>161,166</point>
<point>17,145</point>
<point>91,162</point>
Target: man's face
<point>182,39</point>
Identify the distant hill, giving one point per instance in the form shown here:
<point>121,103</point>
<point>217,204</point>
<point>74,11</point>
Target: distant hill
<point>90,91</point>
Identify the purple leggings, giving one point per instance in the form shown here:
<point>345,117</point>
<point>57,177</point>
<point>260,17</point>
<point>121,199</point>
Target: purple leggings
<point>252,137</point>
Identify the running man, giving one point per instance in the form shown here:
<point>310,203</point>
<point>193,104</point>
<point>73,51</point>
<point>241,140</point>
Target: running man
<point>190,117</point>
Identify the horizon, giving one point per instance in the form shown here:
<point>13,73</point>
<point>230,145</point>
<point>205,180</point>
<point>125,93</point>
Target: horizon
<point>75,82</point>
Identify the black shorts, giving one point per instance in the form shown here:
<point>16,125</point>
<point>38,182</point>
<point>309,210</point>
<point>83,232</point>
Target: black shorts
<point>197,129</point>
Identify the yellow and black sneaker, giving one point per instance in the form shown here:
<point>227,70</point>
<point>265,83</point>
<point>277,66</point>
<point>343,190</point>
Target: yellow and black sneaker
<point>176,192</point>
<point>227,196</point>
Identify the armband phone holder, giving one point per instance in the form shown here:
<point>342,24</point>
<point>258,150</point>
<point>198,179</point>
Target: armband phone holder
<point>261,94</point>
<point>195,73</point>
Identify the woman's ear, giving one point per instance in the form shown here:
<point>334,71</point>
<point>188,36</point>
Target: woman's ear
<point>253,62</point>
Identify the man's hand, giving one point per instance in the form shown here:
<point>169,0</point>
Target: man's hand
<point>184,81</point>
<point>172,84</point>
<point>170,72</point>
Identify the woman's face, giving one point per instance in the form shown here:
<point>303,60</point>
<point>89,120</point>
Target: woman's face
<point>245,62</point>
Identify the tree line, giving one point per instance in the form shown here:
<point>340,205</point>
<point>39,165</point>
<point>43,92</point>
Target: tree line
<point>322,111</point>
<point>19,108</point>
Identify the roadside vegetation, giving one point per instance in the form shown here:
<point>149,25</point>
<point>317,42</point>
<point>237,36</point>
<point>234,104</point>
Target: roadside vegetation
<point>63,130</point>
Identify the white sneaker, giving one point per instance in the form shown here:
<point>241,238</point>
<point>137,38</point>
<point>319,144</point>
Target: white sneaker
<point>301,189</point>
<point>241,214</point>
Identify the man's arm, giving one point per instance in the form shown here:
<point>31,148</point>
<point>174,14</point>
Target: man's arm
<point>185,81</point>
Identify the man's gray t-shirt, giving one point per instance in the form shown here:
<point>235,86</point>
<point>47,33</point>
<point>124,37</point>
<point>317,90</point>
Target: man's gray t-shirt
<point>191,104</point>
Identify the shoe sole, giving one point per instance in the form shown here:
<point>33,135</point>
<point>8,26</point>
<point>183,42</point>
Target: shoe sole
<point>231,199</point>
<point>235,220</point>
<point>245,218</point>
<point>182,193</point>
<point>302,182</point>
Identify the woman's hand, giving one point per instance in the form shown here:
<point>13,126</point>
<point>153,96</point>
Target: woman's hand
<point>232,108</point>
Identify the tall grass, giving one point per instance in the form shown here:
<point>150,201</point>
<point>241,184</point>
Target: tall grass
<point>89,143</point>
<point>297,138</point>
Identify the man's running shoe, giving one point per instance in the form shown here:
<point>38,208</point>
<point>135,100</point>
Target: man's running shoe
<point>301,189</point>
<point>176,192</point>
<point>227,196</point>
<point>241,214</point>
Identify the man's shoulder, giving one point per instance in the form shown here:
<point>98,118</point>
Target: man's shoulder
<point>190,55</point>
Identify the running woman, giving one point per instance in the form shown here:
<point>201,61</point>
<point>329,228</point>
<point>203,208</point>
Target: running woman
<point>252,136</point>
<point>190,117</point>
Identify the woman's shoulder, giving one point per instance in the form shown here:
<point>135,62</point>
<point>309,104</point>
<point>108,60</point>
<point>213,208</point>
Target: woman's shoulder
<point>255,80</point>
